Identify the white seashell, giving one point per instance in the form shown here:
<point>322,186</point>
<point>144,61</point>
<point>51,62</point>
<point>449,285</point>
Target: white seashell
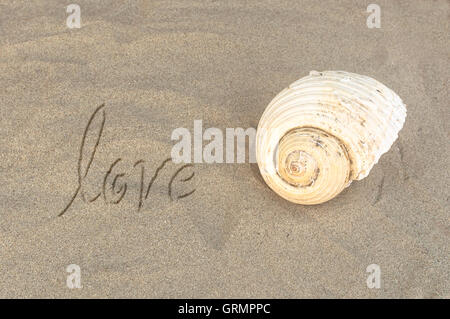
<point>324,131</point>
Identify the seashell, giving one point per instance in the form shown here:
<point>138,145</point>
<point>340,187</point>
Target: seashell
<point>324,131</point>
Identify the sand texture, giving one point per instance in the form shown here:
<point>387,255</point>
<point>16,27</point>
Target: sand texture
<point>160,65</point>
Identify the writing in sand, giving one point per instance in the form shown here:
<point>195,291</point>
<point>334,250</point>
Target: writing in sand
<point>113,188</point>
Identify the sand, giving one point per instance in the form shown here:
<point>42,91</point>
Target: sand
<point>160,65</point>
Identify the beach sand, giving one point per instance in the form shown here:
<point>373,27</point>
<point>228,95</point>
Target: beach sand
<point>160,65</point>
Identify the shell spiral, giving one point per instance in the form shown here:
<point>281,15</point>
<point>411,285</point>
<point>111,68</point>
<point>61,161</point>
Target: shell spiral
<point>324,131</point>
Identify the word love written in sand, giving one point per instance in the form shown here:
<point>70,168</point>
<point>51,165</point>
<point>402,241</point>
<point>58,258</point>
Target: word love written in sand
<point>113,189</point>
